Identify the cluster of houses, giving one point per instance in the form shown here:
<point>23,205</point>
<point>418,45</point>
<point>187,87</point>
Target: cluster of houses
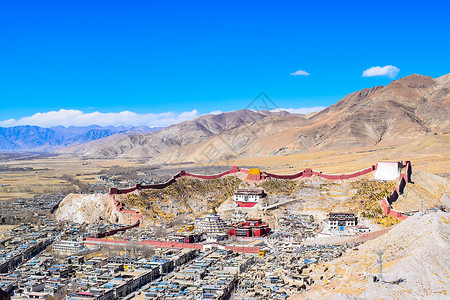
<point>18,246</point>
<point>97,278</point>
<point>282,272</point>
<point>53,260</point>
<point>16,211</point>
<point>119,182</point>
<point>294,227</point>
<point>212,275</point>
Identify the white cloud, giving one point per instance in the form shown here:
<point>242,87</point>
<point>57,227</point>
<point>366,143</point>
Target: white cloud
<point>301,110</point>
<point>389,70</point>
<point>72,117</point>
<point>300,73</point>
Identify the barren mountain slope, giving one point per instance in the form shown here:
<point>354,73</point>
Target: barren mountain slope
<point>430,188</point>
<point>411,106</point>
<point>86,147</point>
<point>416,264</point>
<point>178,135</point>
<point>235,142</point>
<point>402,112</point>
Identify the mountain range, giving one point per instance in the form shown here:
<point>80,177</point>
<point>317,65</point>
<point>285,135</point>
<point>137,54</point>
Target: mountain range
<point>35,138</point>
<point>404,111</point>
<point>383,116</point>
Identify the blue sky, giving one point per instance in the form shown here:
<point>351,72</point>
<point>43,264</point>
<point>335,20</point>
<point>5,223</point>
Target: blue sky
<point>173,60</point>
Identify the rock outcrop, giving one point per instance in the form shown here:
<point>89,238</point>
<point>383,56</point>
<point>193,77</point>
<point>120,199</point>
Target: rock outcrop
<point>90,209</point>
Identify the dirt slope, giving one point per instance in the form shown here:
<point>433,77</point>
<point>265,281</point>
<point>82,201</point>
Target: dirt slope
<point>416,256</point>
<point>427,187</point>
<point>89,208</point>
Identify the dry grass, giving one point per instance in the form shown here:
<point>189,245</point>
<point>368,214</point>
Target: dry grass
<point>280,187</point>
<point>367,200</point>
<point>185,196</point>
<point>6,227</point>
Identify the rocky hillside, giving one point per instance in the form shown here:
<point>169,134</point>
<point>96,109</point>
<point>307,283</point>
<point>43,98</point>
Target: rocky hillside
<point>89,209</point>
<point>420,244</point>
<point>187,197</point>
<point>404,111</point>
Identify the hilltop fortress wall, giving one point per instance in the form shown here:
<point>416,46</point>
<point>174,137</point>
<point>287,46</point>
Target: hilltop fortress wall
<point>134,214</point>
<point>404,178</point>
<point>235,169</point>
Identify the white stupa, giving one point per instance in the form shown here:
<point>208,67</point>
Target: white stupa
<point>212,223</point>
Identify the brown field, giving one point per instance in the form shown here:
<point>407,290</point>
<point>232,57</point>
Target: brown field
<point>45,178</point>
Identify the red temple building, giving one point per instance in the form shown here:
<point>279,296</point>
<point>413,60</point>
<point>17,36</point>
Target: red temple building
<point>249,228</point>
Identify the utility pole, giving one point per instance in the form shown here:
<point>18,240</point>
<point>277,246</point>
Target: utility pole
<point>422,212</point>
<point>380,265</point>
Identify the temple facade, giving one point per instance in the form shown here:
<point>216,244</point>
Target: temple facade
<point>248,197</point>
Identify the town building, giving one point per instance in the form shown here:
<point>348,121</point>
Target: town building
<point>277,237</point>
<point>68,246</point>
<point>186,237</point>
<point>340,220</point>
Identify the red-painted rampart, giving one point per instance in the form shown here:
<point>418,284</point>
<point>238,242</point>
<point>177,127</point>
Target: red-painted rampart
<point>386,202</point>
<point>182,173</point>
<point>135,215</point>
<point>282,176</point>
<point>234,170</point>
<point>114,231</point>
<point>309,173</point>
